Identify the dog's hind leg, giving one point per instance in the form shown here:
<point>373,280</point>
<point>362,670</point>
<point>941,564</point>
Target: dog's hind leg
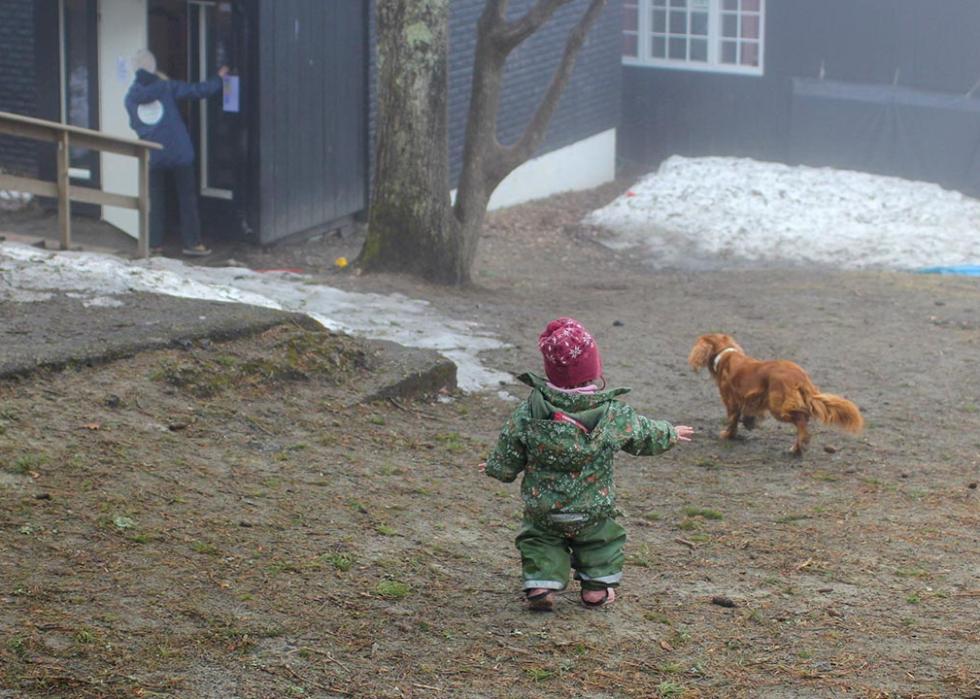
<point>748,422</point>
<point>802,434</point>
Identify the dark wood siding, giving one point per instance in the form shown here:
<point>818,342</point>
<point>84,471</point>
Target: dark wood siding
<point>312,114</point>
<point>922,45</point>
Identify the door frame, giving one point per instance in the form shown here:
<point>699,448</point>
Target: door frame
<point>203,153</point>
<point>52,87</point>
<point>92,65</point>
<point>225,213</point>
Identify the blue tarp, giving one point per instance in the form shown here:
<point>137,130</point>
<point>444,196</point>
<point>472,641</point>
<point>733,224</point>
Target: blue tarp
<point>966,270</point>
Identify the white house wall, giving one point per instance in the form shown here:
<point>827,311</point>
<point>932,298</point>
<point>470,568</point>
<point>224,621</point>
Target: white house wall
<point>583,165</point>
<point>122,32</point>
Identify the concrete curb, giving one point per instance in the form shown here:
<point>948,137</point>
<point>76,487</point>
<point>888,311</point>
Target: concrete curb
<point>406,372</point>
<point>62,332</point>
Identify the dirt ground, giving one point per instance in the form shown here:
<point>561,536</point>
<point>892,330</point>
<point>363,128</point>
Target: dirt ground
<point>222,521</point>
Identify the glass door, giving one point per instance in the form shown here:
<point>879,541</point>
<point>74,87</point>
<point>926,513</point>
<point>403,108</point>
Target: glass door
<point>77,29</point>
<point>212,44</point>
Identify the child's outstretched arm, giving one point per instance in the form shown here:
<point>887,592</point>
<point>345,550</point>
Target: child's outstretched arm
<point>646,437</point>
<point>509,457</point>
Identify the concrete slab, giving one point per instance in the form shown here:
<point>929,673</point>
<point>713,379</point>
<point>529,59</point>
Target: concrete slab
<point>62,331</point>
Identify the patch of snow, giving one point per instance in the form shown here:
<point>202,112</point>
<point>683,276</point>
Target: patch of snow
<point>696,211</point>
<point>12,201</point>
<point>25,296</point>
<point>103,302</point>
<point>101,279</point>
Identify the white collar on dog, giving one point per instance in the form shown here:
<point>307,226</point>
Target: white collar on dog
<point>714,365</point>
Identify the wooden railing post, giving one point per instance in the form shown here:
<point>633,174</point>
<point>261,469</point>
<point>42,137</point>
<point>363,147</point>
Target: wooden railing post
<point>63,135</point>
<point>64,196</point>
<point>143,245</point>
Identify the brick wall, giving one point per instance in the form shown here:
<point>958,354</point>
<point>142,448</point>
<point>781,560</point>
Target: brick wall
<point>18,92</point>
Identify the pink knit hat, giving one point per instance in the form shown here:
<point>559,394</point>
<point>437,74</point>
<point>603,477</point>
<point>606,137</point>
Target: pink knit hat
<point>571,356</point>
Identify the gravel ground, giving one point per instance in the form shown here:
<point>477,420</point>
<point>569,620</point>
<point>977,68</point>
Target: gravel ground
<point>221,521</point>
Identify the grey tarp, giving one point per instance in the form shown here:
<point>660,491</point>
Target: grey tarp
<point>887,129</point>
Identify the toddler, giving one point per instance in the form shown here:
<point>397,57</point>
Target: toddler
<point>563,437</point>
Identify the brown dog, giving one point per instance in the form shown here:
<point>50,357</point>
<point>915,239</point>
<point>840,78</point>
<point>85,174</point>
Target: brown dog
<point>751,388</point>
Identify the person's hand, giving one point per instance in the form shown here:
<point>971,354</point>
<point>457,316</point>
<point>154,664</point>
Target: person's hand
<point>222,71</point>
<point>483,467</point>
<point>684,433</point>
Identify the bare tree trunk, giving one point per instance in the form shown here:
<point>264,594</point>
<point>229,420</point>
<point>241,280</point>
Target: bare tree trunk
<point>410,226</point>
<point>485,161</point>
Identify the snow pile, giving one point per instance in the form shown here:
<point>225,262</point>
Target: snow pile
<point>29,274</point>
<point>12,201</point>
<point>709,211</point>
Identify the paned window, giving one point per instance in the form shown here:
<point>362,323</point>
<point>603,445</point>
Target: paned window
<point>710,35</point>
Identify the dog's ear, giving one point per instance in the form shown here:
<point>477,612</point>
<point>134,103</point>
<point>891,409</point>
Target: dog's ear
<point>700,354</point>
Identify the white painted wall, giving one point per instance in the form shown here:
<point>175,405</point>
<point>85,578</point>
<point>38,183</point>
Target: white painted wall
<point>582,165</point>
<point>122,32</point>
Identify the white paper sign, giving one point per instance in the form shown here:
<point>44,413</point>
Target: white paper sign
<point>229,93</point>
<point>122,70</point>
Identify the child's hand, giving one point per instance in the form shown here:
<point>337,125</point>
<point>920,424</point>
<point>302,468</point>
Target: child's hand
<point>684,433</point>
<point>483,467</point>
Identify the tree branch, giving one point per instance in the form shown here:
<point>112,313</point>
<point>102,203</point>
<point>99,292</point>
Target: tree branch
<point>521,151</point>
<point>513,33</point>
<point>497,8</point>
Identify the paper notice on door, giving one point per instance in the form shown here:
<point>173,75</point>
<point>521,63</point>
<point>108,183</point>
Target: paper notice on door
<point>229,93</point>
<point>122,70</point>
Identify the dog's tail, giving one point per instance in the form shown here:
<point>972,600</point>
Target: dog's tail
<point>837,411</point>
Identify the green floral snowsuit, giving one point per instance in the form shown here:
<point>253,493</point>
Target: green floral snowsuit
<point>565,443</point>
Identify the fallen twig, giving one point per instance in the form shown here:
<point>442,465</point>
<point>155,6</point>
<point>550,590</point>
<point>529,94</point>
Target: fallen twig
<point>394,402</point>
<point>512,649</point>
<point>300,678</point>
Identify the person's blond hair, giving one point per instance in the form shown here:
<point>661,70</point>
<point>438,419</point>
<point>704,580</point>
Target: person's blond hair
<point>145,60</point>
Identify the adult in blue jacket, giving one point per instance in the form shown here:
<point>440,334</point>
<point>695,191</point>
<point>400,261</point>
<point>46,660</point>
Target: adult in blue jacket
<point>152,106</point>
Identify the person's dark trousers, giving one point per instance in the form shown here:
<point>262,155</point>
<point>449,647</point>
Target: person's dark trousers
<point>190,222</point>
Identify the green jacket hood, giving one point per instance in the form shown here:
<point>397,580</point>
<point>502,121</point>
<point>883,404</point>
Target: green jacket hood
<point>572,402</point>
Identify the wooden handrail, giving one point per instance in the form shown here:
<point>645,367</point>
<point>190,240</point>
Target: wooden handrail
<point>65,136</point>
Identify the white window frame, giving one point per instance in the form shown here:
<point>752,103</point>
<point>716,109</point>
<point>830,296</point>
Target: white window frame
<point>713,64</point>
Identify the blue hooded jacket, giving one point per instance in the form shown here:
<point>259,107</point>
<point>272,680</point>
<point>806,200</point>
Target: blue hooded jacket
<point>152,106</point>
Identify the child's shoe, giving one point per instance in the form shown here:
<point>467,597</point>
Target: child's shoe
<point>540,599</point>
<point>598,598</point>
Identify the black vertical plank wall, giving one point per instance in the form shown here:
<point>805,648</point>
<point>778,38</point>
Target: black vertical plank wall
<point>313,123</point>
